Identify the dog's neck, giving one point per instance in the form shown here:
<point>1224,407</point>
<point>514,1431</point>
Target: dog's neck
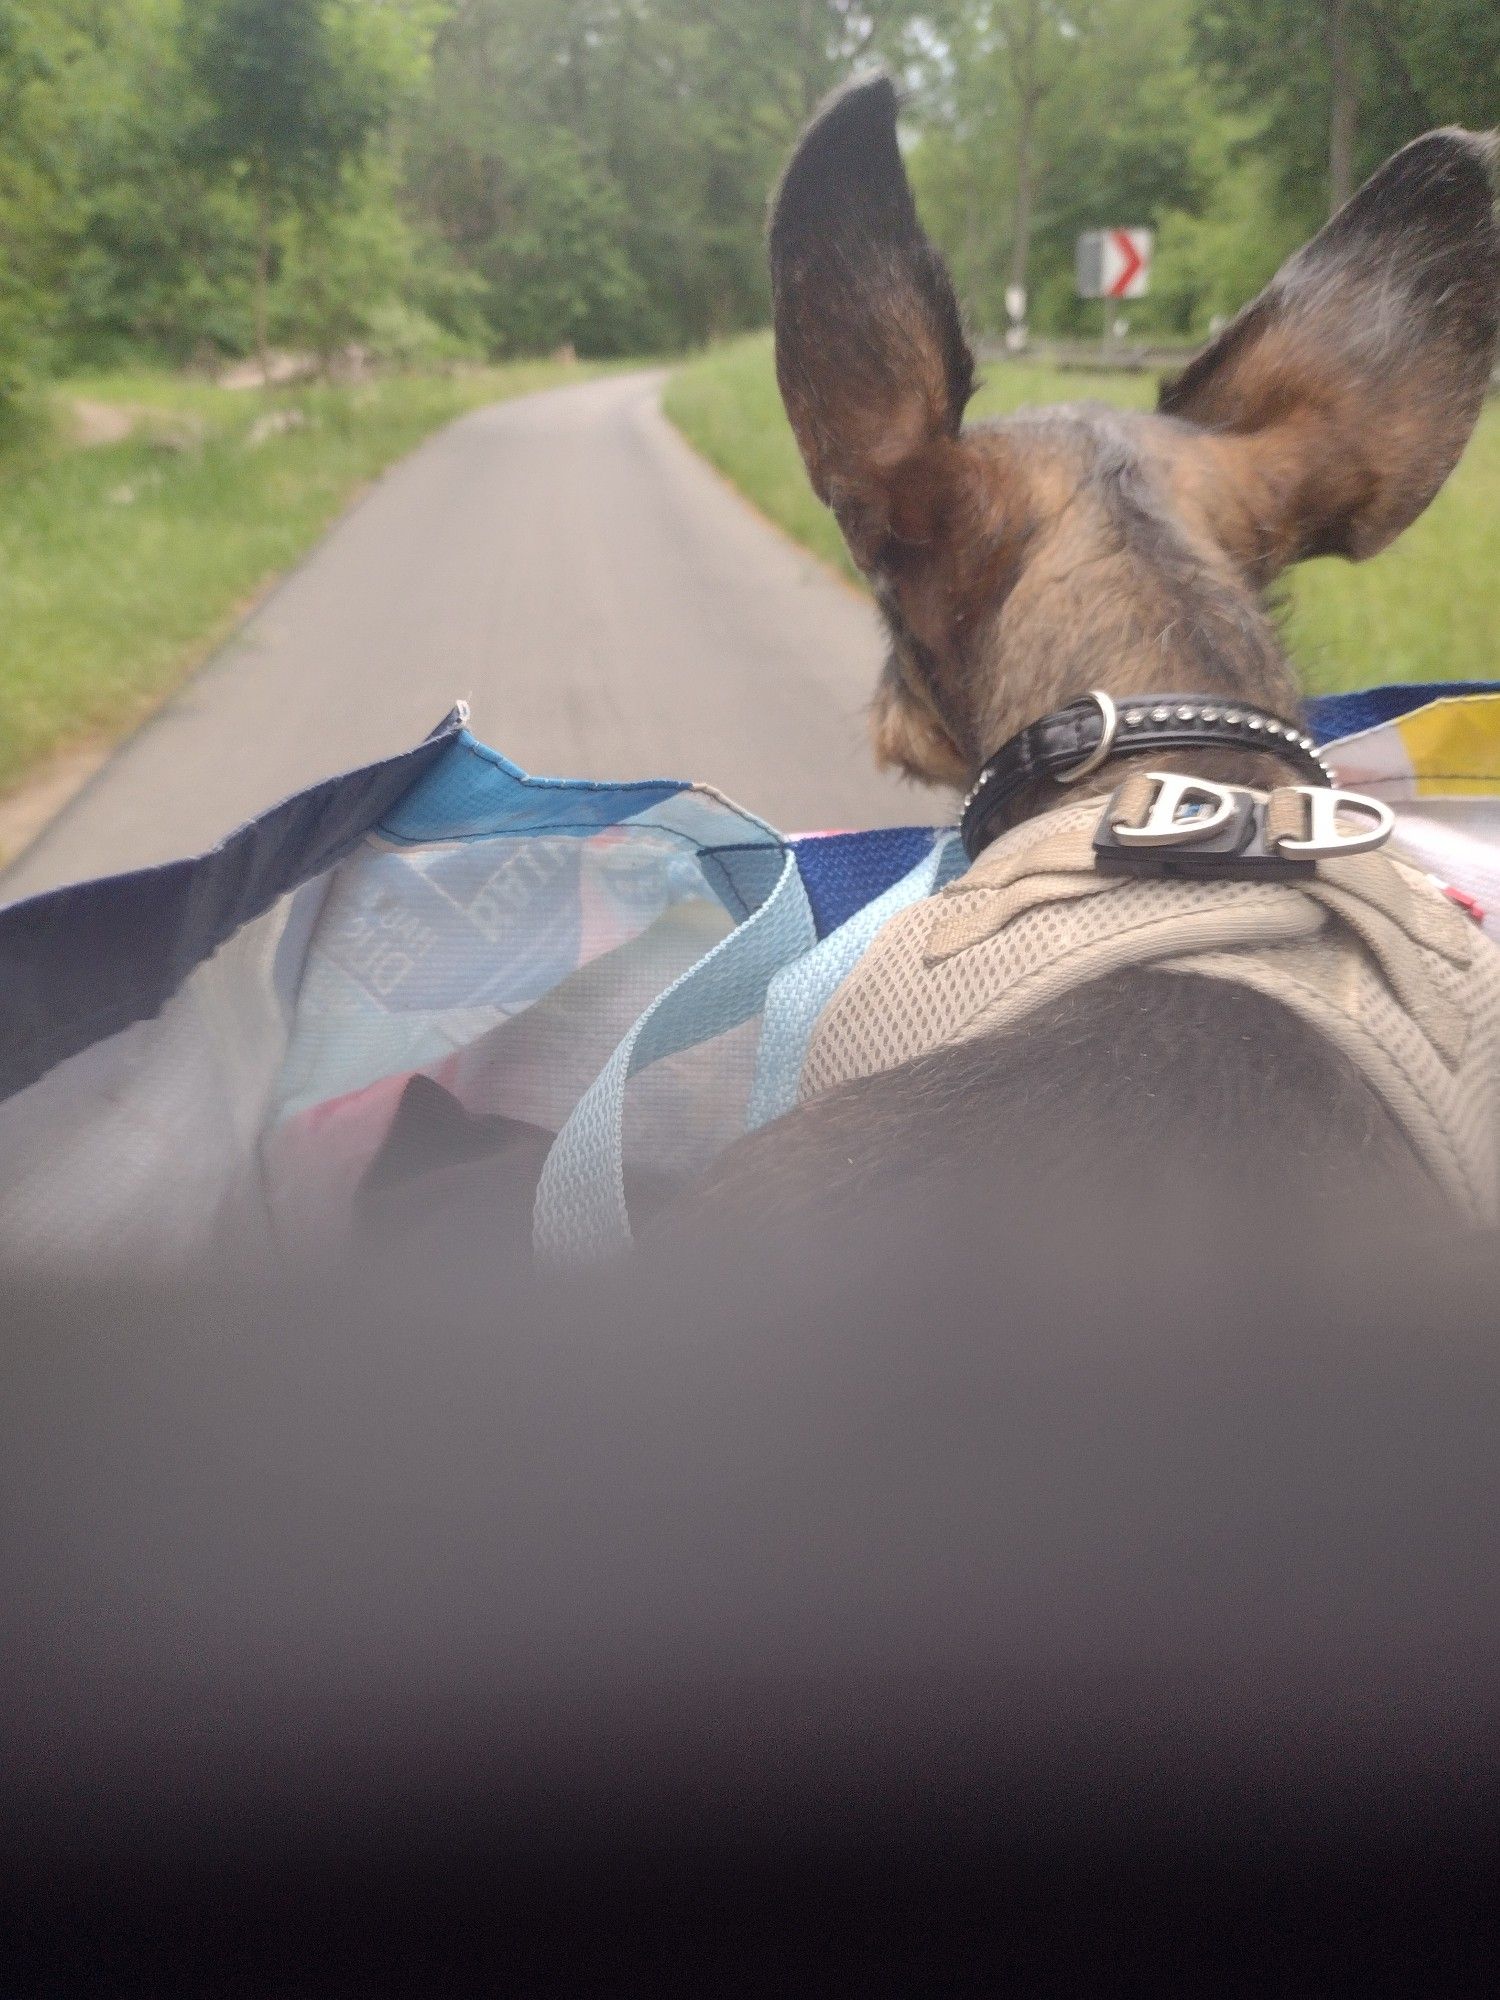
<point>1274,693</point>
<point>1218,642</point>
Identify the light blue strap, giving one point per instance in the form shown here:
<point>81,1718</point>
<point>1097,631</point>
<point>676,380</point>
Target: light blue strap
<point>580,1209</point>
<point>801,990</point>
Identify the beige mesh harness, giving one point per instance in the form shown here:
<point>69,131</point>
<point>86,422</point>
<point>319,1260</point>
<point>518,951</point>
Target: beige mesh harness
<point>1368,950</point>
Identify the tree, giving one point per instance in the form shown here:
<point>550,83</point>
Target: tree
<point>37,51</point>
<point>1343,100</point>
<point>1039,40</point>
<point>1036,122</point>
<point>1334,86</point>
<point>154,257</point>
<point>605,163</point>
<point>291,96</point>
<point>1442,58</point>
<point>988,69</point>
<point>510,163</point>
<point>515,174</point>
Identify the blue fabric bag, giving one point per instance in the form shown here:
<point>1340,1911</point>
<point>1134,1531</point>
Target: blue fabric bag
<point>220,1045</point>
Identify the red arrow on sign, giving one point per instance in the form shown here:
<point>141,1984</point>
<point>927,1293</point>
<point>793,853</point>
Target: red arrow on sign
<point>1133,260</point>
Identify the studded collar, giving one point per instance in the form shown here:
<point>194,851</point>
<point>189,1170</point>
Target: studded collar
<point>1072,742</point>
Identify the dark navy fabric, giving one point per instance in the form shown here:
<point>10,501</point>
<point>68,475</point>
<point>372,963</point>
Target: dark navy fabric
<point>80,963</point>
<point>1333,715</point>
<point>843,871</point>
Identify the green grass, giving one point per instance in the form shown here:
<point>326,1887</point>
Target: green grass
<point>122,565</point>
<point>1424,610</point>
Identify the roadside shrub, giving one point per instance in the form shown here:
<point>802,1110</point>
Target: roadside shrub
<point>403,336</point>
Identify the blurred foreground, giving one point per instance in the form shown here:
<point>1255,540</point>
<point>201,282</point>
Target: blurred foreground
<point>1097,1588</point>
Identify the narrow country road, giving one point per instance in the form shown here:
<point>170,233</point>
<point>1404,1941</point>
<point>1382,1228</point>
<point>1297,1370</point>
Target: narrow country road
<point>606,604</point>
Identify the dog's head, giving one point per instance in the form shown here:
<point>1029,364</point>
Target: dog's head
<point>1020,563</point>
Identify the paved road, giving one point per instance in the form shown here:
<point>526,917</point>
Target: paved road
<point>606,604</point>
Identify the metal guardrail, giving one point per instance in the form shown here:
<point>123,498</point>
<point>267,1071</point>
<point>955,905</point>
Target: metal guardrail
<point>1088,357</point>
<point>1130,357</point>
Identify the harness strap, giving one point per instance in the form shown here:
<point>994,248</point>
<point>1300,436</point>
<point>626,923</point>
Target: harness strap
<point>1363,947</point>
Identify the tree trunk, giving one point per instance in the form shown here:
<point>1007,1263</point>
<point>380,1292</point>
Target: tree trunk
<point>810,56</point>
<point>1343,108</point>
<point>263,277</point>
<point>971,262</point>
<point>1020,242</point>
<point>1029,89</point>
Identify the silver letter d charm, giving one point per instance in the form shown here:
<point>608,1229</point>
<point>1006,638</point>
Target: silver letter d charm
<point>1184,811</point>
<point>1325,838</point>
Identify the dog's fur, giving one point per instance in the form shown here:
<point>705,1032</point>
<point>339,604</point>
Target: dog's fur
<point>1020,563</point>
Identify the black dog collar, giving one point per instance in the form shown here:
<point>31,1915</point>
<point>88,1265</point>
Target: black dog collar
<point>1073,741</point>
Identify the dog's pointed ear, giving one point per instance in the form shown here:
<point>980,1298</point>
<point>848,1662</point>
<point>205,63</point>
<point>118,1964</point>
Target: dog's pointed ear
<point>870,352</point>
<point>1346,392</point>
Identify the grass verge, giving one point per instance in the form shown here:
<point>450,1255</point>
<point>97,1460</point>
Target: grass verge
<point>122,564</point>
<point>1425,610</point>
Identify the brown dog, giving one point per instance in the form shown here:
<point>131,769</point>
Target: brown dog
<point>1022,564</point>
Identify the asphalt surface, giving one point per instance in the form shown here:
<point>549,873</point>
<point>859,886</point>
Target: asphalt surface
<point>607,605</point>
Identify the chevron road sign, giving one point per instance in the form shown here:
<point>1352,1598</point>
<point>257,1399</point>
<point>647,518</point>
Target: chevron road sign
<point>1114,263</point>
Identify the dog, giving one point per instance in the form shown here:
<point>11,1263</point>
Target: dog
<point>1069,563</point>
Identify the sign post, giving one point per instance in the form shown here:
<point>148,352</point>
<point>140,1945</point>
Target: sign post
<point>1113,265</point>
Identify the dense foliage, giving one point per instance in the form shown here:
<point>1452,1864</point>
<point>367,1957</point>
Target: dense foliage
<point>511,176</point>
